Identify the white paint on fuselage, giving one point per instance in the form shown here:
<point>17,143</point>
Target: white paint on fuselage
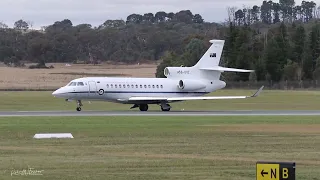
<point>114,89</point>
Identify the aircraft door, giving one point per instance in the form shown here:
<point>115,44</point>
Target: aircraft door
<point>92,88</point>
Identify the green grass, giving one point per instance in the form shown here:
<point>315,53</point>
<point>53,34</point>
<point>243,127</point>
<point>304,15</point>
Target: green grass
<point>268,100</point>
<point>221,148</point>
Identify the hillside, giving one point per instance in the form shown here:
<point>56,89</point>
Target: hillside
<point>281,41</point>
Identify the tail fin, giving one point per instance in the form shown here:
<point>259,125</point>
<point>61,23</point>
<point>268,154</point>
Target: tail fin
<point>206,68</point>
<point>213,55</point>
<point>211,59</point>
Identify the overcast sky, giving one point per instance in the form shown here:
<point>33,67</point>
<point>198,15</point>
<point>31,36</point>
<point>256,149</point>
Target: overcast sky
<point>95,12</point>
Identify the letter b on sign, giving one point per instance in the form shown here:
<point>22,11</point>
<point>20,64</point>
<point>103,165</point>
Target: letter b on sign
<point>285,173</point>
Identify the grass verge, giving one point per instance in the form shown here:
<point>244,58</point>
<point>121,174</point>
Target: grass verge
<point>221,148</point>
<point>268,100</point>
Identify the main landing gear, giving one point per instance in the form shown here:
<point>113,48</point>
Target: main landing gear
<point>144,107</point>
<point>165,107</point>
<point>79,104</point>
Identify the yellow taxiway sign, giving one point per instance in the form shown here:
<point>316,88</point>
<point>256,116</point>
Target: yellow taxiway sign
<point>275,171</point>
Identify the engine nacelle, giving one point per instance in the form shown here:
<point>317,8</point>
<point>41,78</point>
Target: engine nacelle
<point>190,85</point>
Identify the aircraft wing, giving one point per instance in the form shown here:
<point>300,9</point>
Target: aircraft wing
<point>168,99</point>
<point>224,69</point>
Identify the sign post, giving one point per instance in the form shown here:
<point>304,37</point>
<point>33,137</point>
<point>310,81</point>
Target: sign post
<point>275,170</point>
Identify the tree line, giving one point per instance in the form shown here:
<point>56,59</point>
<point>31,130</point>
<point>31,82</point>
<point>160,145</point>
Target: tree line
<point>140,37</point>
<point>270,12</point>
<point>280,41</point>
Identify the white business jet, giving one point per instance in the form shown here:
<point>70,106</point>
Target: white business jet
<point>181,84</point>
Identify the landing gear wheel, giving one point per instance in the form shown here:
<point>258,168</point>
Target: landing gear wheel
<point>165,107</point>
<point>168,109</point>
<point>79,103</point>
<point>143,107</point>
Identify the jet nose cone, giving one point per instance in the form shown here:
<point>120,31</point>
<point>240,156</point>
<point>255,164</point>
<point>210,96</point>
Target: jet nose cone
<point>56,92</point>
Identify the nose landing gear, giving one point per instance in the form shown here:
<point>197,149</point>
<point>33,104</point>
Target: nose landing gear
<point>79,104</point>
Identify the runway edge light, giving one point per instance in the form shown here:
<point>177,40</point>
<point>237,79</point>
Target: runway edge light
<point>52,135</point>
<point>275,170</point>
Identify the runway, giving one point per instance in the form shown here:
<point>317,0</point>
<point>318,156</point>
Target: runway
<point>159,113</point>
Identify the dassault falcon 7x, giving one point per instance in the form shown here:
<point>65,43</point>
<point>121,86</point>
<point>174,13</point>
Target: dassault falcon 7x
<point>180,84</point>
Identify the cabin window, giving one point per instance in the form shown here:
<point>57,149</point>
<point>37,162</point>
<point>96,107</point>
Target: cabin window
<point>80,84</point>
<point>157,86</point>
<point>124,86</point>
<point>145,86</point>
<point>152,86</point>
<point>132,86</point>
<point>149,86</point>
<point>161,86</point>
<point>115,86</point>
<point>136,85</point>
<point>128,85</point>
<point>140,86</point>
<point>107,85</point>
<point>98,82</point>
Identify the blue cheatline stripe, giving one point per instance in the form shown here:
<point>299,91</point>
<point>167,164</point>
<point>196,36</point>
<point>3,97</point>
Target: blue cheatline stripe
<point>138,92</point>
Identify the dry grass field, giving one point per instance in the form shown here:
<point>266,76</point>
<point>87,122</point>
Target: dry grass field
<point>24,78</point>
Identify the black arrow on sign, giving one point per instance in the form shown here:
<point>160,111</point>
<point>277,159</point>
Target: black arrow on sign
<point>263,173</point>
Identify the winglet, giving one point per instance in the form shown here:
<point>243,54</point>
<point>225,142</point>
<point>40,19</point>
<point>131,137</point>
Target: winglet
<point>258,92</point>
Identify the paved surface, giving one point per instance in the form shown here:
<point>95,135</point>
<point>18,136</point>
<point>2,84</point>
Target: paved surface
<point>158,113</point>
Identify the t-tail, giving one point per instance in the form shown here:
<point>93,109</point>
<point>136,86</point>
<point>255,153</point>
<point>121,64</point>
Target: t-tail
<point>206,68</point>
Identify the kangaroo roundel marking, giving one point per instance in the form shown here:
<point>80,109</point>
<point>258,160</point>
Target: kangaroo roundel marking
<point>101,91</point>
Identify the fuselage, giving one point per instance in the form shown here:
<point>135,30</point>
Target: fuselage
<point>116,89</point>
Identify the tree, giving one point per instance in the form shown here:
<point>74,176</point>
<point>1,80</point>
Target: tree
<point>239,17</point>
<point>298,39</point>
<point>38,49</point>
<point>255,13</point>
<point>276,12</point>
<point>134,18</point>
<point>194,50</point>
<point>287,9</point>
<point>113,24</point>
<point>314,39</point>
<point>168,59</point>
<point>266,10</point>
<point>160,16</point>
<point>272,59</point>
<point>185,16</point>
<point>307,61</point>
<point>3,25</point>
<point>197,18</point>
<point>21,25</point>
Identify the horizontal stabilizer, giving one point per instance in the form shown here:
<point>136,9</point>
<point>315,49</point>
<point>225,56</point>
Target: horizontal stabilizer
<point>193,98</point>
<point>224,69</point>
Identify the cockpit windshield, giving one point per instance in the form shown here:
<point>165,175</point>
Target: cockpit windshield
<point>76,84</point>
<point>72,84</point>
